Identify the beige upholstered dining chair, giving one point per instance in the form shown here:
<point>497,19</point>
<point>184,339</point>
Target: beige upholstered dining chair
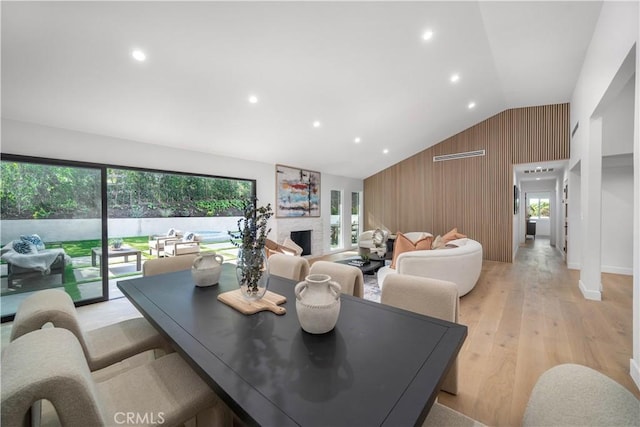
<point>153,267</point>
<point>431,297</point>
<point>576,395</point>
<point>348,277</point>
<point>288,266</point>
<point>102,347</point>
<point>49,364</point>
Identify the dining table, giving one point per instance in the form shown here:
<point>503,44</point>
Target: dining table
<point>379,366</point>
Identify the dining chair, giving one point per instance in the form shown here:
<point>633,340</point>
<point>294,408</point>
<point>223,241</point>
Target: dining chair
<point>431,297</point>
<point>288,266</point>
<point>571,394</point>
<point>49,364</point>
<point>102,347</point>
<point>348,277</point>
<point>153,267</point>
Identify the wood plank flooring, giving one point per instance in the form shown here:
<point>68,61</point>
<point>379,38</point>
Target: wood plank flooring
<point>529,316</point>
<point>523,318</point>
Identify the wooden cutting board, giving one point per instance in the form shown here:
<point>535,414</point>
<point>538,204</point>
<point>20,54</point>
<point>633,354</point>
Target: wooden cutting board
<point>270,302</point>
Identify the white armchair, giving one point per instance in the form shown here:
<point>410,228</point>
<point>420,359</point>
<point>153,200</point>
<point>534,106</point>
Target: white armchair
<point>373,241</point>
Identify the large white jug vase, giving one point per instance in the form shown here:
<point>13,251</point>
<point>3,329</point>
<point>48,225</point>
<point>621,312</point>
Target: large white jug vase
<point>317,303</point>
<point>206,269</point>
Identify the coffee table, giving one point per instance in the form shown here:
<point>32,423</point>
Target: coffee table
<point>370,268</point>
<point>96,255</point>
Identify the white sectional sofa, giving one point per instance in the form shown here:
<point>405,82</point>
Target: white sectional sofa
<point>461,264</point>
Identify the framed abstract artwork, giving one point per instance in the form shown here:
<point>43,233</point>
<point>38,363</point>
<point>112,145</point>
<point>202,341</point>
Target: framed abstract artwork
<point>297,192</point>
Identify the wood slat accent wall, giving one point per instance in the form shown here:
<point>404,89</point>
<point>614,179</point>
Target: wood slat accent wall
<point>473,194</point>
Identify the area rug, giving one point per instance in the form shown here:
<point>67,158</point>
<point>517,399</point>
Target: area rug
<point>371,288</point>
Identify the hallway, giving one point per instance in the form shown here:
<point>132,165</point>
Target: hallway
<point>526,317</point>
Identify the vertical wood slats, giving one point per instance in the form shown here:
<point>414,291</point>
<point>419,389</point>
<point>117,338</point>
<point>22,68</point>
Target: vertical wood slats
<point>474,194</point>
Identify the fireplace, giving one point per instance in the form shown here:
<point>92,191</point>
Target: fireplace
<point>302,239</point>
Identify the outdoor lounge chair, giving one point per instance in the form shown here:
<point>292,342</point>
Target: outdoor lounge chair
<point>157,243</point>
<point>34,264</point>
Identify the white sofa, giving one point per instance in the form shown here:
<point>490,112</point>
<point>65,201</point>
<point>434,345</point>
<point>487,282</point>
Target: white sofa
<point>461,265</point>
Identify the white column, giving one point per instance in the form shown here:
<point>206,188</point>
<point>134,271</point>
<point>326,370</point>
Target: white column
<point>591,208</point>
<point>635,362</point>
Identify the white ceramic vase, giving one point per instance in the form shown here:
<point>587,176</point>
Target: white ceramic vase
<point>317,303</point>
<point>206,269</point>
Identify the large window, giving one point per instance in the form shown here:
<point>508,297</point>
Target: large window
<point>336,219</point>
<point>99,223</point>
<point>51,218</point>
<point>538,207</point>
<point>355,217</point>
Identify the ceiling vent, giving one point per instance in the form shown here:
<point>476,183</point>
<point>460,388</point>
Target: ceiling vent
<point>458,155</point>
<point>538,170</point>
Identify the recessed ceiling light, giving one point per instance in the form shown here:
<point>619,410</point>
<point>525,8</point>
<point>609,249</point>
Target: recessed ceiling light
<point>253,99</point>
<point>385,151</point>
<point>357,140</point>
<point>471,105</point>
<point>427,35</point>
<point>454,78</point>
<point>537,179</point>
<point>138,55</point>
<point>316,124</point>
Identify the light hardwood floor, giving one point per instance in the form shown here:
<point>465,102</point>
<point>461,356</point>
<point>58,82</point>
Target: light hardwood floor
<point>523,318</point>
<point>529,316</point>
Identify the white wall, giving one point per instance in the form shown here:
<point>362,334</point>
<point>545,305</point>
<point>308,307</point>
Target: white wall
<point>617,217</point>
<point>30,139</point>
<point>617,124</point>
<point>602,75</point>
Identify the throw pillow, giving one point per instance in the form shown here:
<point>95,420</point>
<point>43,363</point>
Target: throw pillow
<point>35,240</point>
<point>189,237</point>
<point>438,243</point>
<point>404,244</point>
<point>453,235</point>
<point>24,247</point>
<point>171,232</point>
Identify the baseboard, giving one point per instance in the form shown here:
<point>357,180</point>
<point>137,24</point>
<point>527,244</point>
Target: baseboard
<point>573,265</point>
<point>589,294</point>
<point>634,370</point>
<point>617,270</point>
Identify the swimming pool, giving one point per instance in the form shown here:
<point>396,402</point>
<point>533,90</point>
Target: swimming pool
<point>211,236</point>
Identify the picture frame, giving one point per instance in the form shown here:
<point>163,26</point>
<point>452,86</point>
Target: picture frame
<point>297,192</point>
<point>516,200</point>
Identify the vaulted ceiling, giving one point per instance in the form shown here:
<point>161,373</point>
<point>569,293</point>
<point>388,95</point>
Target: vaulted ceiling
<point>361,69</point>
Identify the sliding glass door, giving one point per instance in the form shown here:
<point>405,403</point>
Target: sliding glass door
<point>84,227</point>
<point>50,226</point>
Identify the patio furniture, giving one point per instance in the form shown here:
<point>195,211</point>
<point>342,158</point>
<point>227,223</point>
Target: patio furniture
<point>157,243</point>
<point>96,255</point>
<point>190,244</point>
<point>33,265</point>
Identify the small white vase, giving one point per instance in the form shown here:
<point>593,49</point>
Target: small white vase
<point>317,303</point>
<point>206,269</point>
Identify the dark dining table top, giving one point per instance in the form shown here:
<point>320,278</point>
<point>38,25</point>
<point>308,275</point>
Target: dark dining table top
<point>379,366</point>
